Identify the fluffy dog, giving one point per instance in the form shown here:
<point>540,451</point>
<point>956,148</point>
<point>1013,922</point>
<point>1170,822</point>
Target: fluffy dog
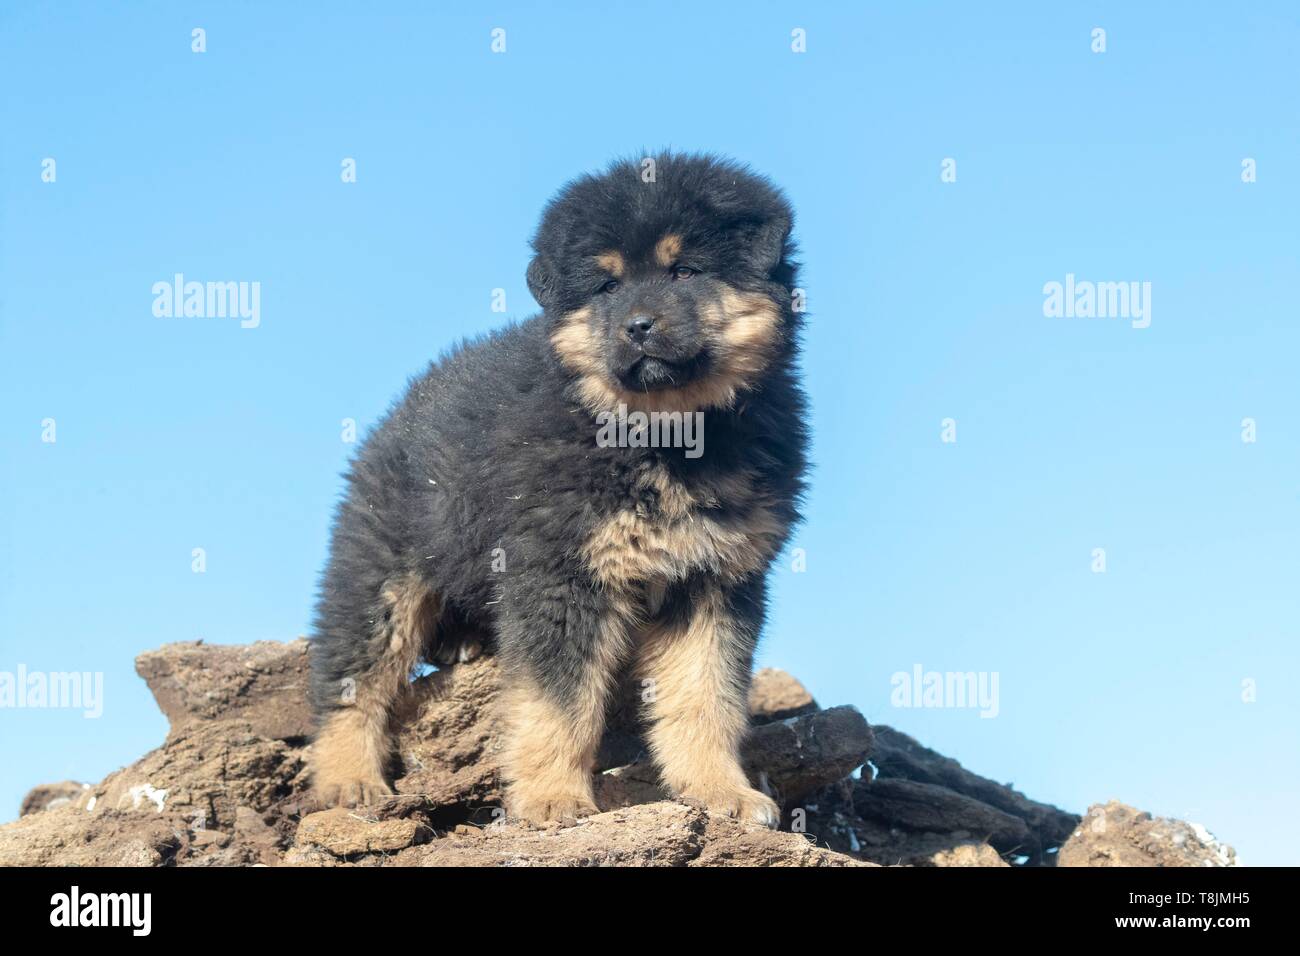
<point>492,503</point>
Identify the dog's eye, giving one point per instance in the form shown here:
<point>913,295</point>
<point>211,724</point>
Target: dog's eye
<point>683,272</point>
<point>610,286</point>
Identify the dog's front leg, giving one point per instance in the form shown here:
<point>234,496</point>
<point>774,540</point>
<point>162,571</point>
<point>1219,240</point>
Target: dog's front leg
<point>561,650</point>
<point>695,668</point>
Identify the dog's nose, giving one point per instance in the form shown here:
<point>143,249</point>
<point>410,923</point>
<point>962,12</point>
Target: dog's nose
<point>638,327</point>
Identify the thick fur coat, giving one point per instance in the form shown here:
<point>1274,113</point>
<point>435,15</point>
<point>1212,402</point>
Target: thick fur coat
<point>596,490</point>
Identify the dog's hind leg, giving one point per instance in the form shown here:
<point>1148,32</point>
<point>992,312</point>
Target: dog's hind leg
<point>350,755</point>
<point>456,640</point>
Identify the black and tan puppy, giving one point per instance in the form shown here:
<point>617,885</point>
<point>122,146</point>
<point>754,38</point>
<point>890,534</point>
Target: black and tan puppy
<point>494,499</point>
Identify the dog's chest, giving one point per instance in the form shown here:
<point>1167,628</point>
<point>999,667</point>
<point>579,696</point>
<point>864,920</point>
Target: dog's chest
<point>670,531</point>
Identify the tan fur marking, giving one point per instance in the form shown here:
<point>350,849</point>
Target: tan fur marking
<point>675,499</point>
<point>349,754</point>
<point>743,331</point>
<point>668,249</point>
<point>550,750</point>
<point>633,548</point>
<point>698,712</point>
<point>612,262</point>
<point>548,758</point>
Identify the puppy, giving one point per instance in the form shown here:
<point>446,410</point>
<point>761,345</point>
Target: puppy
<point>535,490</point>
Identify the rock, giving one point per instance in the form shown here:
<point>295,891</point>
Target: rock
<point>1113,834</point>
<point>655,834</point>
<point>829,818</point>
<point>923,806</point>
<point>776,695</point>
<point>730,843</point>
<point>50,795</point>
<point>660,834</point>
<point>263,685</point>
<point>449,749</point>
<point>897,755</point>
<point>798,755</point>
<point>262,840</point>
<point>204,838</point>
<point>229,787</point>
<point>69,836</point>
<point>192,801</point>
<point>968,854</point>
<point>342,832</point>
<point>203,773</point>
<point>628,786</point>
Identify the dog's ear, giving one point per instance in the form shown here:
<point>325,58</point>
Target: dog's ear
<point>541,282</point>
<point>771,242</point>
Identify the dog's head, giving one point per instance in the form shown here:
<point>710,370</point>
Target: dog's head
<point>667,282</point>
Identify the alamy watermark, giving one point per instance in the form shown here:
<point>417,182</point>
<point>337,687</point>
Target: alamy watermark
<point>73,690</point>
<point>75,908</point>
<point>946,690</point>
<point>624,429</point>
<point>208,300</point>
<point>1085,299</point>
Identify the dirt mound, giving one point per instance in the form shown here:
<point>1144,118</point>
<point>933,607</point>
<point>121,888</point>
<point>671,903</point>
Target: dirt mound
<point>229,787</point>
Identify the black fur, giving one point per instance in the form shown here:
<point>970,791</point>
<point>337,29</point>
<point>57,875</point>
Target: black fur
<point>491,448</point>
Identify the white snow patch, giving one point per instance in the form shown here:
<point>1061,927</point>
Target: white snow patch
<point>147,791</point>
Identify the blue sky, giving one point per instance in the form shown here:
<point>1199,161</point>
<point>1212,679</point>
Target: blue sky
<point>925,300</point>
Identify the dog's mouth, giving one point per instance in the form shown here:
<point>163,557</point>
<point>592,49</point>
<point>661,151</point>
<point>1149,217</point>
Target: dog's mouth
<point>654,372</point>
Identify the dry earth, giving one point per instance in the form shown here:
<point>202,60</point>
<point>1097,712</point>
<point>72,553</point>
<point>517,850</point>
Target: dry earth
<point>228,787</point>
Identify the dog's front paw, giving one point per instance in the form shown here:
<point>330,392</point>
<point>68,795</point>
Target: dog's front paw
<point>360,792</point>
<point>744,803</point>
<point>540,806</point>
